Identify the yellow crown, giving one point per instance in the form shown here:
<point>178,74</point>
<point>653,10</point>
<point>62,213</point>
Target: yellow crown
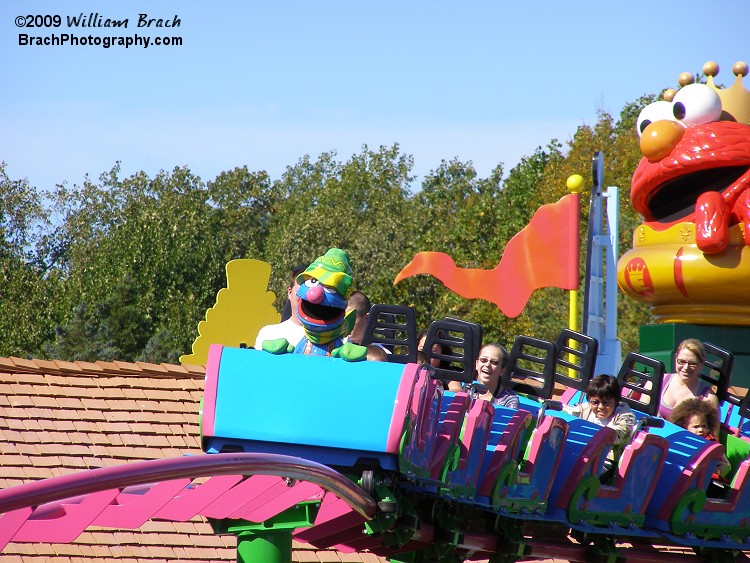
<point>735,100</point>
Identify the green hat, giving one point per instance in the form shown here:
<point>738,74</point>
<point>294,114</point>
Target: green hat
<point>332,269</point>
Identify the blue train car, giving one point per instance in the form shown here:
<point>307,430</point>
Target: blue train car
<point>323,409</point>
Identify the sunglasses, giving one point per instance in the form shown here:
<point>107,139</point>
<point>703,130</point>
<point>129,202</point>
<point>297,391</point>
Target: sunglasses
<point>691,365</point>
<point>597,402</point>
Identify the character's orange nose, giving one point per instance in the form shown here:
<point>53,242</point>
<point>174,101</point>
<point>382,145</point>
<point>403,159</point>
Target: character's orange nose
<point>315,294</point>
<point>659,138</point>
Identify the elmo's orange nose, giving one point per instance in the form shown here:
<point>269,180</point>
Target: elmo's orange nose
<point>659,138</point>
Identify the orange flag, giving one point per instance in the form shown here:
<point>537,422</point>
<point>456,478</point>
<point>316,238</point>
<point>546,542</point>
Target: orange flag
<point>544,254</point>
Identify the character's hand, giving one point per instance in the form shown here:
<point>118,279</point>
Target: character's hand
<point>711,223</point>
<point>350,352</point>
<point>741,213</point>
<point>277,346</point>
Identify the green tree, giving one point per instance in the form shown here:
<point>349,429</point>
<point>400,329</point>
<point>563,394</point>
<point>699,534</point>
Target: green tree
<point>241,210</point>
<point>29,291</point>
<point>145,258</point>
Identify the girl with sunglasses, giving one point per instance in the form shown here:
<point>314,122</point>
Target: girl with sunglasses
<point>490,365</point>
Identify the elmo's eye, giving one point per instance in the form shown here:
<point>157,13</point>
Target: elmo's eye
<point>695,104</point>
<point>329,289</point>
<point>657,111</point>
<point>312,282</point>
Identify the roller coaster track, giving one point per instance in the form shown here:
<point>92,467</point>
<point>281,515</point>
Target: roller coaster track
<point>250,486</point>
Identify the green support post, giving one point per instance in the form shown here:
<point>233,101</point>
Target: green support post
<point>269,546</point>
<point>269,541</point>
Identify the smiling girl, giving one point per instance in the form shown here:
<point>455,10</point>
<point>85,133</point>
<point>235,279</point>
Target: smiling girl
<point>492,361</point>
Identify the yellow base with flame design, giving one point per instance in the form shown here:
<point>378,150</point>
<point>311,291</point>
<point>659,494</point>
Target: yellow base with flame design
<point>667,270</point>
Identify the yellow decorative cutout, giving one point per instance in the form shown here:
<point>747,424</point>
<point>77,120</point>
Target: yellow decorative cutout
<point>241,310</point>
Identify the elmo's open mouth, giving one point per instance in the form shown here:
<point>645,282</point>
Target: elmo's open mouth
<point>712,157</point>
<point>675,199</point>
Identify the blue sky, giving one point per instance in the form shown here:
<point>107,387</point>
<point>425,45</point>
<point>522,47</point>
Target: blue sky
<point>264,83</point>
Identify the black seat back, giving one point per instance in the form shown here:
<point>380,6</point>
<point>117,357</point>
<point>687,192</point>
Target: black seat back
<point>640,379</point>
<point>744,409</point>
<point>395,327</point>
<point>717,371</point>
<point>531,367</point>
<point>477,333</point>
<point>576,359</point>
<point>459,348</point>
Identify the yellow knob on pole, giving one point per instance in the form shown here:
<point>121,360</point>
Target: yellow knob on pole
<point>575,184</point>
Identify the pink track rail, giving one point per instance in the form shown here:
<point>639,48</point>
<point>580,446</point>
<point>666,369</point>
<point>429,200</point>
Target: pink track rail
<point>248,485</point>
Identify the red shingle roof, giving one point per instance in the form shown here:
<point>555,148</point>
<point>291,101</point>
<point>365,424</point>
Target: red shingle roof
<point>60,417</point>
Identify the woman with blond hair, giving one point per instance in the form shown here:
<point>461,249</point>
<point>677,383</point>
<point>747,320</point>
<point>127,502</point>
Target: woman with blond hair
<point>686,383</point>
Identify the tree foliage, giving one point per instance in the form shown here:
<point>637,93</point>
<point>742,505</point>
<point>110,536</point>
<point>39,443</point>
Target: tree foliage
<point>29,293</point>
<point>146,257</point>
<point>124,268</point>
